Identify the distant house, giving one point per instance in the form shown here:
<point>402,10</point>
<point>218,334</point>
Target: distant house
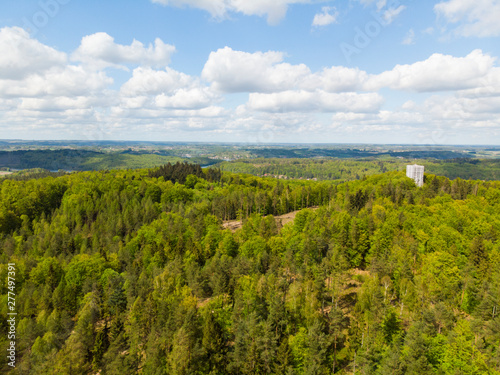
<point>416,172</point>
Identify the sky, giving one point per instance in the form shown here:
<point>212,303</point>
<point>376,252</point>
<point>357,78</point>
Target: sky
<point>252,71</point>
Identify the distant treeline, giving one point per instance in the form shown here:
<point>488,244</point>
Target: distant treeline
<point>355,169</point>
<point>35,173</point>
<point>347,153</point>
<point>87,160</point>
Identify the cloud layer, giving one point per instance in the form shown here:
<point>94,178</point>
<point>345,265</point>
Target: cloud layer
<point>327,16</point>
<point>471,17</point>
<point>100,50</point>
<point>274,10</point>
<point>237,93</point>
<point>22,56</point>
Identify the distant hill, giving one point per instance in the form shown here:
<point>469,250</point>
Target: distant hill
<point>85,160</point>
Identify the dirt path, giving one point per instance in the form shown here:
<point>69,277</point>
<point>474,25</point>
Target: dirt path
<point>283,219</point>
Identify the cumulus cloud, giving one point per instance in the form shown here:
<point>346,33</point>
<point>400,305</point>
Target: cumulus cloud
<point>318,101</point>
<point>438,120</point>
<point>31,69</point>
<point>100,50</point>
<point>477,18</point>
<point>39,86</point>
<point>146,80</point>
<point>277,87</point>
<point>236,71</point>
<point>57,104</point>
<point>274,10</point>
<point>69,80</point>
<point>392,13</point>
<point>327,16</point>
<point>22,56</point>
<point>335,79</point>
<point>463,110</point>
<point>437,73</point>
<point>410,38</point>
<point>195,98</point>
<point>381,4</point>
<point>487,86</point>
<point>265,72</point>
<point>41,89</point>
<point>166,89</point>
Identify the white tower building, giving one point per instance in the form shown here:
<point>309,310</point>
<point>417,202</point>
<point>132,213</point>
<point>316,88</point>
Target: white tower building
<point>416,172</point>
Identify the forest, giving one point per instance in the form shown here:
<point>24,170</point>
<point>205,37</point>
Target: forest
<point>355,169</point>
<point>86,160</point>
<point>337,162</point>
<point>133,271</point>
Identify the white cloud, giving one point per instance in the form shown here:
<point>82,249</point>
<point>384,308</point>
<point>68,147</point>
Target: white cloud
<point>236,71</point>
<point>286,101</point>
<point>318,101</point>
<point>134,102</point>
<point>335,79</point>
<point>327,16</point>
<point>410,38</point>
<point>381,4</point>
<point>487,86</point>
<point>439,120</point>
<point>428,31</point>
<point>57,104</point>
<point>46,91</point>
<point>128,115</point>
<point>211,111</point>
<point>388,12</point>
<point>147,81</point>
<point>265,72</point>
<point>22,56</point>
<point>392,13</point>
<point>196,98</point>
<point>478,18</point>
<point>274,10</point>
<point>100,50</point>
<point>70,80</point>
<point>165,89</point>
<point>468,109</point>
<point>437,73</point>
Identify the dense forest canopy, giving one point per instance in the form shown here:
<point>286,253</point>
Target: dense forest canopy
<point>355,169</point>
<point>87,160</point>
<point>325,162</point>
<point>132,271</point>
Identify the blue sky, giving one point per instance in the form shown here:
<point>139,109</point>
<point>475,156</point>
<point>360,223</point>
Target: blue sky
<point>357,71</point>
